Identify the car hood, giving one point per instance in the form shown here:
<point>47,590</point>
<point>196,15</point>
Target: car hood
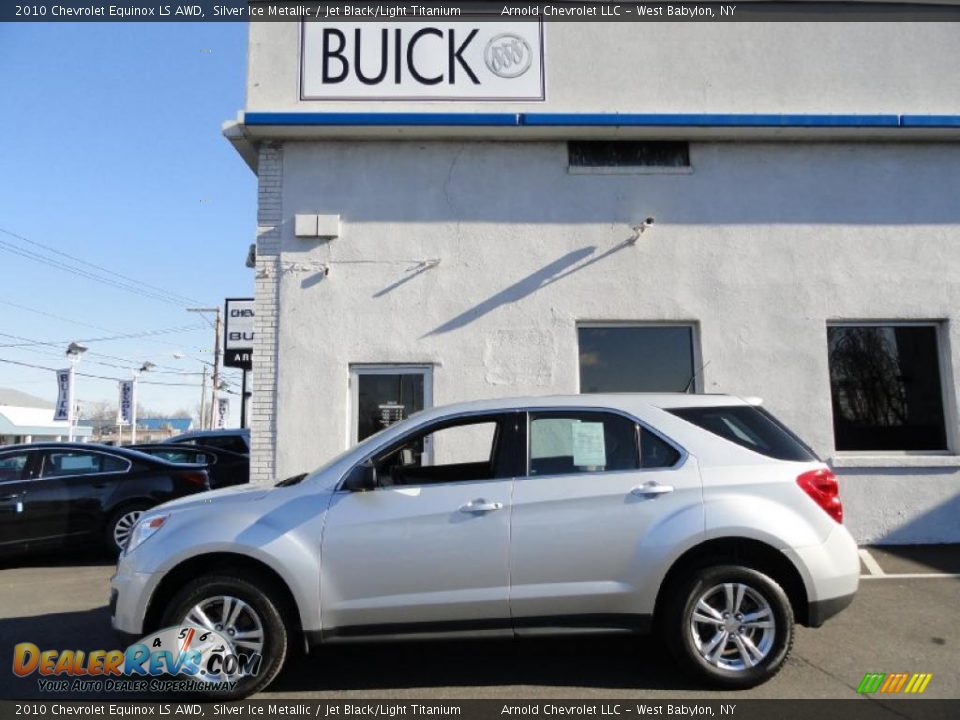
<point>234,495</point>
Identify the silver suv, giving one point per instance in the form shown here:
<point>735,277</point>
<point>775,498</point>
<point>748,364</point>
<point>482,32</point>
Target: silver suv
<point>699,516</point>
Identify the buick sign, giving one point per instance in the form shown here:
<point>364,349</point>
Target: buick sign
<point>508,55</point>
<point>421,61</point>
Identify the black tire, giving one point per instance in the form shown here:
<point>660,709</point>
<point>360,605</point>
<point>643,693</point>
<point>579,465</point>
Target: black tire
<point>276,643</point>
<point>121,514</point>
<point>688,640</point>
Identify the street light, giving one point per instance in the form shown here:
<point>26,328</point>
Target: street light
<point>146,367</point>
<point>74,351</point>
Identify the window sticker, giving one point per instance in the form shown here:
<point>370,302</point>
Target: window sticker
<point>589,449</point>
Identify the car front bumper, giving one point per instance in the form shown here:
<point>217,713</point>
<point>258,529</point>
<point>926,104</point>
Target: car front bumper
<point>129,595</point>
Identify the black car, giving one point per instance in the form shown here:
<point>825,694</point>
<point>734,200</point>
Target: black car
<point>224,467</point>
<point>68,494</point>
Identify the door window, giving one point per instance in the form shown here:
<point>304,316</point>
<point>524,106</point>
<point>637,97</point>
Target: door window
<point>574,442</point>
<point>13,466</point>
<point>78,462</point>
<point>467,450</point>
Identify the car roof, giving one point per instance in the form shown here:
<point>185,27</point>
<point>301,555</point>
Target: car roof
<point>89,447</point>
<point>615,401</point>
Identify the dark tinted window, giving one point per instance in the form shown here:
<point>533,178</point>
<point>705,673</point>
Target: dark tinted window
<point>80,462</point>
<point>233,443</point>
<point>13,465</point>
<point>750,427</point>
<point>628,154</point>
<point>885,388</point>
<point>575,442</point>
<point>654,358</point>
<point>185,456</point>
<point>655,452</point>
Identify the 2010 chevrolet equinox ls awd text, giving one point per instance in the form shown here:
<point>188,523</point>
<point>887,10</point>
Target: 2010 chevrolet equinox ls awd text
<point>700,516</point>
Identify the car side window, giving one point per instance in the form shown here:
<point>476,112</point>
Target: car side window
<point>232,443</point>
<point>13,466</point>
<point>655,452</point>
<point>458,452</point>
<point>79,462</point>
<point>568,442</point>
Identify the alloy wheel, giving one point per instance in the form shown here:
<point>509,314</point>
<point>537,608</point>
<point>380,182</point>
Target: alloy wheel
<point>124,526</point>
<point>733,627</point>
<point>233,618</point>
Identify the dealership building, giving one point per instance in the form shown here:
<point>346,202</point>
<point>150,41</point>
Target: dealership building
<point>468,209</point>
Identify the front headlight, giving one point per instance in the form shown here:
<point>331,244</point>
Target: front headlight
<point>146,527</point>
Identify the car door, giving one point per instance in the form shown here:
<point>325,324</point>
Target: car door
<point>66,500</point>
<point>16,471</point>
<point>427,550</point>
<point>586,526</point>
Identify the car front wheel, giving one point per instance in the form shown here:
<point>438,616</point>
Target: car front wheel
<point>731,625</point>
<point>244,615</point>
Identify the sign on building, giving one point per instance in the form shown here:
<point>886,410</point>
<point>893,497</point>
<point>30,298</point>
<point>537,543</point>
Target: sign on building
<point>64,396</point>
<point>126,403</point>
<point>238,333</point>
<point>422,61</point>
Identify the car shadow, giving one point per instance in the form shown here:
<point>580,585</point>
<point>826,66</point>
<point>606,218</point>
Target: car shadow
<point>613,662</point>
<point>85,557</point>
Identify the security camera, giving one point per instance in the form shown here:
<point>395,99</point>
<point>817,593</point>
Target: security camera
<point>649,221</point>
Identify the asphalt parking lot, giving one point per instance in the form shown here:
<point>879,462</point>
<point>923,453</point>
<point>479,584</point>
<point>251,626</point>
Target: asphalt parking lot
<point>906,618</point>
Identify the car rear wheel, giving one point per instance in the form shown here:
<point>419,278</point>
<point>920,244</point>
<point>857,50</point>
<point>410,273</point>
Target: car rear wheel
<point>121,525</point>
<point>730,625</point>
<point>243,614</point>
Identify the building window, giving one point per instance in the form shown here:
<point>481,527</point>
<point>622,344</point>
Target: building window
<point>628,156</point>
<point>886,388</point>
<point>636,358</point>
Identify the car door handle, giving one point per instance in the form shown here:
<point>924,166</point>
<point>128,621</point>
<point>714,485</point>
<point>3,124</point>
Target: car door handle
<point>14,496</point>
<point>651,489</point>
<point>480,506</point>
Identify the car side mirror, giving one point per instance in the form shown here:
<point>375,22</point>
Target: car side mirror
<point>361,478</point>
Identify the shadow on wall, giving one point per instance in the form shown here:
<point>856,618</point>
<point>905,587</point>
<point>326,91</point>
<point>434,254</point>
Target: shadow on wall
<point>939,524</point>
<point>880,504</point>
<point>547,275</point>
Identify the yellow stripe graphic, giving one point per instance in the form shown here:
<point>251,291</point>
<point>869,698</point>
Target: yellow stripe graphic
<point>926,681</point>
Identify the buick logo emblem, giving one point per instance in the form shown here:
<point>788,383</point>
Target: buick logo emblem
<point>508,55</point>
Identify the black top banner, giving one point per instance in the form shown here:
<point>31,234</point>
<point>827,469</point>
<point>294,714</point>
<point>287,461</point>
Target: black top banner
<point>557,11</point>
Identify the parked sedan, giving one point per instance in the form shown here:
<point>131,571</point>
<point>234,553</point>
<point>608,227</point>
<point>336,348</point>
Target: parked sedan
<point>225,468</point>
<point>64,494</point>
<point>700,516</point>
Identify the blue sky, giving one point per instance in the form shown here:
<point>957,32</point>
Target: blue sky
<point>113,154</point>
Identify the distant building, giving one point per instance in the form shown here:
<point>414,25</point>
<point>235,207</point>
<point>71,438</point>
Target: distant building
<point>25,418</point>
<point>148,430</point>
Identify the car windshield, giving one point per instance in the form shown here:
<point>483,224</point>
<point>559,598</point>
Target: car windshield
<point>350,450</point>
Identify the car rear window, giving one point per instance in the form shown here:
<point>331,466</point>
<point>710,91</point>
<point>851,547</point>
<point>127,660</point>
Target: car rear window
<point>750,427</point>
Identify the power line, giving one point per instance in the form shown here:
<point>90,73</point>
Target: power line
<point>96,377</point>
<point>148,333</point>
<point>137,286</point>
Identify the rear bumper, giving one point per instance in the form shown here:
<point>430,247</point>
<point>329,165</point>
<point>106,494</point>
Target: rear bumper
<point>819,611</point>
<point>831,574</point>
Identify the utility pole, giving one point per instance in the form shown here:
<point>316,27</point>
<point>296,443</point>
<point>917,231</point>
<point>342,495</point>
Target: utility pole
<point>216,356</point>
<point>217,349</point>
<point>203,399</point>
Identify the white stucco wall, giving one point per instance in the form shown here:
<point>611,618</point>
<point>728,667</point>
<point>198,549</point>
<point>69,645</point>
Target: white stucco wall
<point>760,246</point>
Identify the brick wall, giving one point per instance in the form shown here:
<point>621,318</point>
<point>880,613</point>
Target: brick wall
<point>262,405</point>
